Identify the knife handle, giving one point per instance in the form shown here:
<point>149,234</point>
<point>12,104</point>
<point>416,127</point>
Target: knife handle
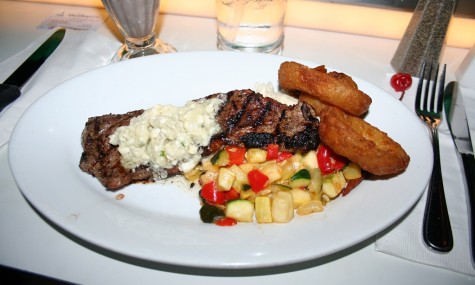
<point>8,94</point>
<point>469,167</point>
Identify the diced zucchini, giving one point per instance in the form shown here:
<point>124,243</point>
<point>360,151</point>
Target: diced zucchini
<point>282,207</point>
<point>273,171</point>
<point>333,184</point>
<point>240,210</point>
<point>226,179</point>
<point>316,179</point>
<point>221,158</point>
<point>289,168</point>
<point>263,210</point>
<point>300,179</point>
<point>256,155</point>
<point>352,171</point>
<point>300,197</point>
<point>310,160</point>
<point>209,213</point>
<point>276,187</point>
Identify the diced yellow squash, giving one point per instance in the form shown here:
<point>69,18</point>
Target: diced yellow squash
<point>225,179</point>
<point>193,174</point>
<point>248,195</point>
<point>333,184</point>
<point>300,197</point>
<point>352,171</point>
<point>247,167</point>
<point>208,176</point>
<point>241,177</point>
<point>296,157</point>
<point>256,155</point>
<point>208,166</point>
<point>272,170</point>
<point>263,210</point>
<point>310,160</point>
<point>316,180</point>
<point>282,207</point>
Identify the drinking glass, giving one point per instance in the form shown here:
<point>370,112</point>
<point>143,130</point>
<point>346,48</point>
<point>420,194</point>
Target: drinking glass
<point>251,25</point>
<point>136,21</point>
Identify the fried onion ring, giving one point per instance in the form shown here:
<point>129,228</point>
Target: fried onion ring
<point>362,143</point>
<point>333,88</point>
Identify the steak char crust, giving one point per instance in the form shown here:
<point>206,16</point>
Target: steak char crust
<point>246,118</point>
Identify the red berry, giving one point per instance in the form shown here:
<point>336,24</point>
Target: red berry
<point>401,81</point>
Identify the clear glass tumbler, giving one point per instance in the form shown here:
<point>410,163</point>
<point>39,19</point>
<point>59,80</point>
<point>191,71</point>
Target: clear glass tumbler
<point>251,25</point>
<point>136,21</point>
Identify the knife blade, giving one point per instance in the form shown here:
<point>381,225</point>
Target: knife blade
<point>457,121</point>
<point>10,90</point>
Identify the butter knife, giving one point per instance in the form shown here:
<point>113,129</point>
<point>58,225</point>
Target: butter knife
<point>10,90</point>
<point>457,120</point>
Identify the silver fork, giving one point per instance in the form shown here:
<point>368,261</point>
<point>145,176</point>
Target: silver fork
<point>437,232</point>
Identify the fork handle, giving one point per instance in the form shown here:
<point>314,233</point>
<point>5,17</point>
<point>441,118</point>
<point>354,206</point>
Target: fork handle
<point>437,231</point>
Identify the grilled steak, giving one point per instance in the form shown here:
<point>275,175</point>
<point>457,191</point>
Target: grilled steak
<point>252,120</point>
<point>246,118</point>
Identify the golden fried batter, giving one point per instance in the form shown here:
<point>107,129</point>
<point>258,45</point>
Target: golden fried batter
<point>362,143</point>
<point>334,88</point>
<point>317,105</point>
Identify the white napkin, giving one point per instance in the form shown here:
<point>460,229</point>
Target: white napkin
<point>465,75</point>
<point>91,49</point>
<point>405,239</point>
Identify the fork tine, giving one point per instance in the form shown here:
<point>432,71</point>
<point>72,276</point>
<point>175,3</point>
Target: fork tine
<point>419,86</point>
<point>440,97</point>
<point>431,107</point>
<point>426,91</point>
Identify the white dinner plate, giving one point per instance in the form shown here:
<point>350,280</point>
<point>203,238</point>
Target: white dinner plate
<point>160,221</point>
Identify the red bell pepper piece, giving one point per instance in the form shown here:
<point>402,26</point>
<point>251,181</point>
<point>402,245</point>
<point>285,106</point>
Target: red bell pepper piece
<point>232,194</point>
<point>257,180</point>
<point>272,151</point>
<point>328,161</point>
<point>236,154</point>
<point>213,196</point>
<point>284,156</point>
<point>210,193</point>
<point>225,222</point>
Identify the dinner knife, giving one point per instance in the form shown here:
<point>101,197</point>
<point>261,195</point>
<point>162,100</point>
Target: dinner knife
<point>10,90</point>
<point>457,120</point>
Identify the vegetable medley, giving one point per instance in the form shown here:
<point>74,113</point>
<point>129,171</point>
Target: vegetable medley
<point>240,185</point>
